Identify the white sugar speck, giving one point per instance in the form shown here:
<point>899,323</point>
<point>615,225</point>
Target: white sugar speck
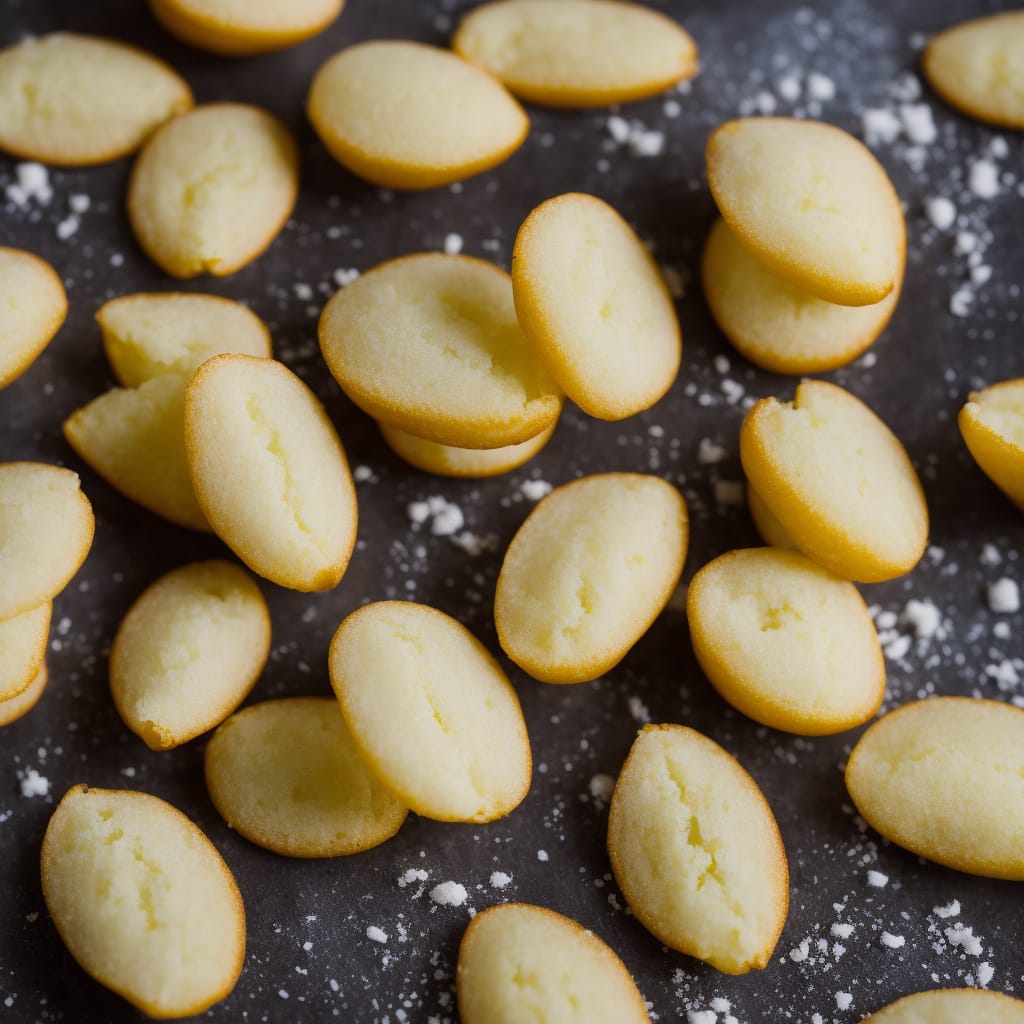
<point>500,880</point>
<point>952,909</point>
<point>453,243</point>
<point>941,212</point>
<point>449,894</point>
<point>844,1000</point>
<point>877,880</point>
<point>34,784</point>
<point>1004,596</point>
<point>375,934</point>
<point>891,941</point>
<point>534,490</point>
<point>984,179</point>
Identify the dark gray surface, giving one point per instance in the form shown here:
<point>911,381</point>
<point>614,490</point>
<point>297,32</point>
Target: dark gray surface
<point>926,362</point>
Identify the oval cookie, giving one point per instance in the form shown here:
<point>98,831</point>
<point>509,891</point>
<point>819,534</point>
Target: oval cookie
<point>976,67</point>
<point>287,776</point>
<point>17,707</point>
<point>188,652</point>
<point>696,850</point>
<point>992,426</point>
<point>473,463</point>
<point>588,573</point>
<point>143,900</point>
<point>575,978</point>
<point>811,203</point>
<point>951,1006</point>
<point>76,99</point>
<point>577,53</point>
<point>775,324</point>
<point>22,649</point>
<point>46,528</point>
<point>151,334</point>
<point>135,439</point>
<point>750,610</point>
<point>838,482</point>
<point>594,306</point>
<point>269,471</point>
<point>942,778</point>
<point>211,189</point>
<point>431,711</point>
<point>240,29</point>
<point>408,116</point>
<point>33,305</point>
<point>430,344</point>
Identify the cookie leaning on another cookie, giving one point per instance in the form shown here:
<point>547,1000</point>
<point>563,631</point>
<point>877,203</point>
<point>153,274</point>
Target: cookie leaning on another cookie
<point>574,977</point>
<point>286,775</point>
<point>23,640</point>
<point>696,851</point>
<point>577,53</point>
<point>17,707</point>
<point>811,203</point>
<point>408,116</point>
<point>33,305</point>
<point>74,99</point>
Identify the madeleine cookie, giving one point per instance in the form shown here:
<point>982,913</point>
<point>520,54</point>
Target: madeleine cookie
<point>188,652</point>
<point>811,203</point>
<point>148,335</point>
<point>594,306</point>
<point>17,707</point>
<point>775,324</point>
<point>430,344</point>
<point>942,778</point>
<point>234,29</point>
<point>143,900</point>
<point>574,977</point>
<point>577,53</point>
<point>46,527</point>
<point>976,67</point>
<point>768,527</point>
<point>432,713</point>
<point>838,482</point>
<point>75,99</point>
<point>211,189</point>
<point>750,610</point>
<point>588,573</point>
<point>135,439</point>
<point>951,1006</point>
<point>408,116</point>
<point>269,471</point>
<point>33,305</point>
<point>992,425</point>
<point>696,851</point>
<point>286,775</point>
<point>473,463</point>
<point>22,649</point>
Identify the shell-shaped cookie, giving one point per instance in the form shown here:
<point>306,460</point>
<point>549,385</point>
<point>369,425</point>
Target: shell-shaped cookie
<point>46,528</point>
<point>431,344</point>
<point>942,778</point>
<point>212,188</point>
<point>135,439</point>
<point>143,900</point>
<point>76,99</point>
<point>577,53</point>
<point>976,67</point>
<point>696,850</point>
<point>594,306</point>
<point>188,652</point>
<point>33,305</point>
<point>286,775</point>
<point>234,29</point>
<point>992,426</point>
<point>587,574</point>
<point>774,323</point>
<point>408,116</point>
<point>148,335</point>
<point>17,707</point>
<point>269,471</point>
<point>22,649</point>
<point>575,978</point>
<point>431,711</point>
<point>838,481</point>
<point>471,463</point>
<point>811,203</point>
<point>951,1006</point>
<point>785,641</point>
